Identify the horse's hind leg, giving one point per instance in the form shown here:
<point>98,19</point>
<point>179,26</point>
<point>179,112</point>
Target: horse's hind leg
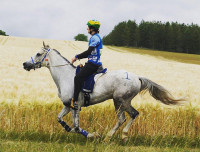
<point>133,114</point>
<point>121,119</point>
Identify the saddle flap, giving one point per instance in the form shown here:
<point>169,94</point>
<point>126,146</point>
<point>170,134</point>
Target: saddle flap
<point>88,84</point>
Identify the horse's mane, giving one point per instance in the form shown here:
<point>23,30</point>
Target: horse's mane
<point>64,58</point>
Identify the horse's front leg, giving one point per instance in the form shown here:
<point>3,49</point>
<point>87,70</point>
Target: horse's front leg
<point>77,129</point>
<point>75,118</point>
<point>64,112</point>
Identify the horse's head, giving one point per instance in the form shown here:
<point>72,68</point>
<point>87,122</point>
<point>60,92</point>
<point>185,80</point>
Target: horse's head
<point>39,60</point>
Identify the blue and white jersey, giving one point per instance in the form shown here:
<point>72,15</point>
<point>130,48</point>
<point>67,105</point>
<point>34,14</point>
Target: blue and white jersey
<point>95,41</point>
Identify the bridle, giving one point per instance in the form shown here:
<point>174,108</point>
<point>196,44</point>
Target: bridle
<point>40,62</point>
<point>43,59</point>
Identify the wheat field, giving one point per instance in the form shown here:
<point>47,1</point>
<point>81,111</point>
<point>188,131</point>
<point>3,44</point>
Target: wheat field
<point>29,104</point>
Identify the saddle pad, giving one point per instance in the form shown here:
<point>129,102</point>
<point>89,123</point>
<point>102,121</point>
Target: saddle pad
<point>88,84</point>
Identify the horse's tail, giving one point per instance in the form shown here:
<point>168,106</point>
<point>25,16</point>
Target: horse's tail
<point>159,92</point>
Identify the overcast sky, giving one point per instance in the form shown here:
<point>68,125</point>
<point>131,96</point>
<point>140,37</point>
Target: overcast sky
<point>63,19</point>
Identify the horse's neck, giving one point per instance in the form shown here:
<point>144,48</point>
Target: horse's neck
<point>62,75</point>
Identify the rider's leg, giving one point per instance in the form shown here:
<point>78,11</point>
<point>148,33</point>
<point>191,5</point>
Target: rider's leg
<point>85,72</point>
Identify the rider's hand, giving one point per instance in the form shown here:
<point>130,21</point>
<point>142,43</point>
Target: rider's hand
<point>73,59</point>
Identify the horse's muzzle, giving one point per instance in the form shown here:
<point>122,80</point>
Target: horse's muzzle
<point>28,66</point>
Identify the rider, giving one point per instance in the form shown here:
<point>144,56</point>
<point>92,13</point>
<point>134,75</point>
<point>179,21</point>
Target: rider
<point>93,54</point>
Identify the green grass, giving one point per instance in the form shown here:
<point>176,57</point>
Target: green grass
<point>180,57</point>
<point>88,146</point>
<point>136,140</point>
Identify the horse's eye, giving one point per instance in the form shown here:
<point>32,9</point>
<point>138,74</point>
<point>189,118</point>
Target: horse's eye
<point>38,54</point>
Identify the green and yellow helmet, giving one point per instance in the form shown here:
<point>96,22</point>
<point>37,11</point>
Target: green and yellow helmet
<point>96,24</point>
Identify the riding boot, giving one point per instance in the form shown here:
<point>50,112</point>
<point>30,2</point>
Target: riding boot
<point>74,104</point>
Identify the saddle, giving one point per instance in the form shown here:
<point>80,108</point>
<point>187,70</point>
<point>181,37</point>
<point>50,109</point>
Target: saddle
<point>89,83</point>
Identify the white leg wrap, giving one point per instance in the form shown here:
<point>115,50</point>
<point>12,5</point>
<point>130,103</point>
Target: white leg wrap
<point>126,128</point>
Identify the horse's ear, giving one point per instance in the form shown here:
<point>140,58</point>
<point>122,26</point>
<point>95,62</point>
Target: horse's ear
<point>44,44</point>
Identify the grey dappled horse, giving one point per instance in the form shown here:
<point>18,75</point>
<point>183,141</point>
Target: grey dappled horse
<point>121,86</point>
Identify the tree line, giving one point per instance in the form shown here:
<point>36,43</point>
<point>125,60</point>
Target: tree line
<point>173,37</point>
<point>2,33</point>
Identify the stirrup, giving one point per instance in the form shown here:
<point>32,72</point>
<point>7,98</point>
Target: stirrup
<point>73,104</point>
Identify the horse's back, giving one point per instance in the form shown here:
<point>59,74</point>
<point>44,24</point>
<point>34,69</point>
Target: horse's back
<point>126,83</point>
<point>116,82</point>
<point>118,76</point>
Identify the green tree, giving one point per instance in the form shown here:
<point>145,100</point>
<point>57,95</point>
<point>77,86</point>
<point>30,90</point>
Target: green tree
<point>2,33</point>
<point>168,37</point>
<point>146,32</point>
<point>133,33</point>
<point>176,37</point>
<point>81,37</point>
<point>192,39</point>
<point>118,36</point>
<point>156,35</point>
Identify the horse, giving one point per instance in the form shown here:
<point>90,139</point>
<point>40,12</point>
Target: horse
<point>120,85</point>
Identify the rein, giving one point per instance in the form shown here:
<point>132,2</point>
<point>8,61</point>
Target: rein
<point>58,65</point>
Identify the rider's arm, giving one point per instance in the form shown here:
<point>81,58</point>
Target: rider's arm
<point>94,42</point>
<point>86,53</point>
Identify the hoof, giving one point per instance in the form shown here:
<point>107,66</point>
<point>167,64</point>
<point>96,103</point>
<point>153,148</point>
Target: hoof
<point>107,139</point>
<point>96,135</point>
<point>124,137</point>
<point>93,135</point>
<point>125,140</point>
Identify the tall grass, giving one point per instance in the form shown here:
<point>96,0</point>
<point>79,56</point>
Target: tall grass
<point>155,125</point>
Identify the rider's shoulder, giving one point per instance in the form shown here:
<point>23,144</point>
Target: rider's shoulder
<point>95,37</point>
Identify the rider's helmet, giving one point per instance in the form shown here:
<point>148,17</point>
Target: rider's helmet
<point>94,24</point>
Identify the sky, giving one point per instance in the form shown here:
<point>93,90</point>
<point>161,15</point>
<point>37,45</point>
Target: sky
<point>64,19</point>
